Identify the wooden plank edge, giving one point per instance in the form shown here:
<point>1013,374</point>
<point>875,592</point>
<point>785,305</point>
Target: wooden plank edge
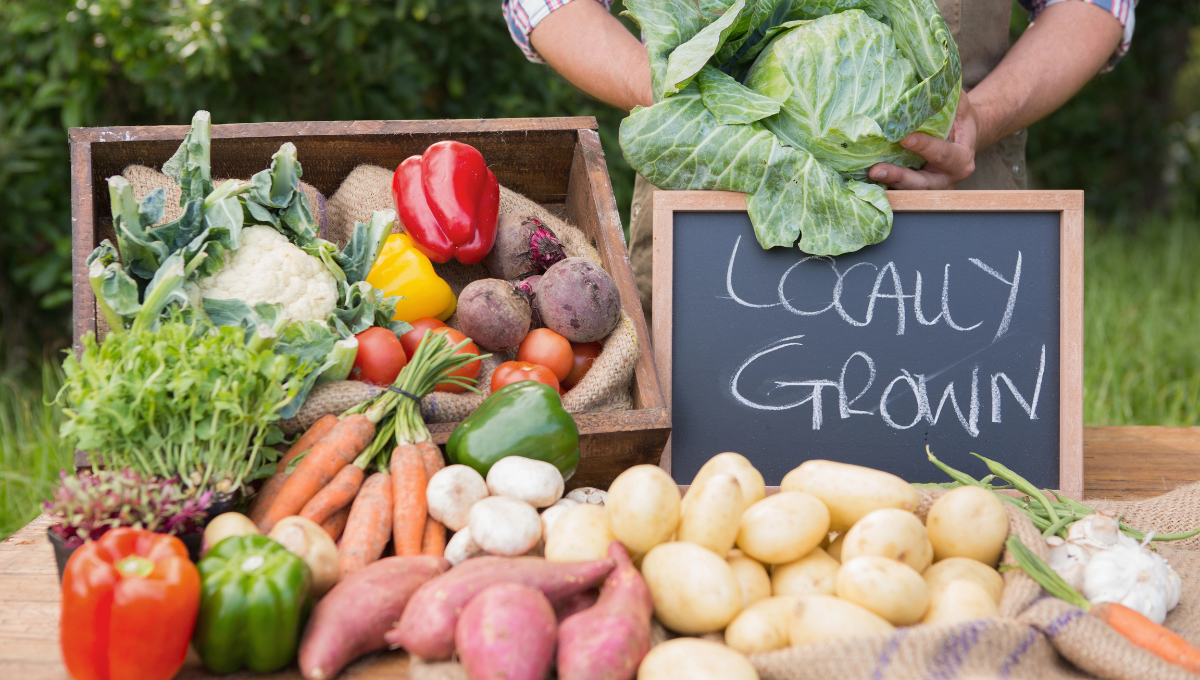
<point>901,201</point>
<point>335,128</point>
<point>83,236</point>
<point>663,275</point>
<point>649,389</point>
<point>1070,315</point>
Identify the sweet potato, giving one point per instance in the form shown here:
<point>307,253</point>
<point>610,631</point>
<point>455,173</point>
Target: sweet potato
<point>577,604</point>
<point>426,629</point>
<point>351,619</point>
<point>578,300</point>
<point>607,641</point>
<point>507,632</point>
<point>523,246</point>
<point>493,314</point>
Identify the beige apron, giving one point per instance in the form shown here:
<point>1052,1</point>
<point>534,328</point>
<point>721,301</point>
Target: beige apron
<point>980,27</point>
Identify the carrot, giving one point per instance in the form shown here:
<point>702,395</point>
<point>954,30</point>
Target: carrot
<point>336,523</point>
<point>336,495</point>
<point>434,540</point>
<point>315,433</point>
<point>266,496</point>
<point>1141,631</point>
<point>368,526</point>
<point>336,450</point>
<point>408,493</point>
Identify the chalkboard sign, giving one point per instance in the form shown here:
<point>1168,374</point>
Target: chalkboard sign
<point>962,331</point>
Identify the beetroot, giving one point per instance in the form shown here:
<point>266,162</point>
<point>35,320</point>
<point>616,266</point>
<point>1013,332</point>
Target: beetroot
<point>493,314</point>
<point>608,640</point>
<point>578,300</point>
<point>507,632</point>
<point>523,246</point>
<point>527,287</point>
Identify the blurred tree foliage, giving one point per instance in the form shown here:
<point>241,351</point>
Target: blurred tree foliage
<point>125,62</point>
<point>66,63</point>
<point>1112,138</point>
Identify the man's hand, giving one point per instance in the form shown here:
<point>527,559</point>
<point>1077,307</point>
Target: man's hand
<point>947,162</point>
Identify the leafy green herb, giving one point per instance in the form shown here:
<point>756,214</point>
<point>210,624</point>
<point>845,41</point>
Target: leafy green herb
<point>184,400</point>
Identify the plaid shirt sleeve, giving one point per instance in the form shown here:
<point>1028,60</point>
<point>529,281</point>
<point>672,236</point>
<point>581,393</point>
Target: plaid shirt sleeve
<point>1121,9</point>
<point>523,15</point>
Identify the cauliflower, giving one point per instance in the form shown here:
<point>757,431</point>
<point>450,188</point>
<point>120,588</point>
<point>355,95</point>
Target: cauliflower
<point>268,268</point>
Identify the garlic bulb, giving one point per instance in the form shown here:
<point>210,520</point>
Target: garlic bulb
<point>1107,566</point>
<point>1128,574</point>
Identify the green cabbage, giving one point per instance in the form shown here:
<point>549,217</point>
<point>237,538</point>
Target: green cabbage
<point>791,102</point>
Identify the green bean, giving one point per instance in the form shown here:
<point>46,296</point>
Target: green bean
<point>1058,526</point>
<point>961,477</point>
<point>1021,483</point>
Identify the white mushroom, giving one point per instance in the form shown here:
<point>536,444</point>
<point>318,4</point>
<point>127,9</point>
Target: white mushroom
<point>505,526</point>
<point>536,482</point>
<point>589,495</point>
<point>451,493</point>
<point>462,547</point>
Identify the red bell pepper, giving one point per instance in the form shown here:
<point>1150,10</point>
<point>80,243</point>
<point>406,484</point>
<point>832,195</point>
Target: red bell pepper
<point>129,603</point>
<point>448,202</point>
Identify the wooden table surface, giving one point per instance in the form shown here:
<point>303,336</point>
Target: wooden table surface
<point>1119,463</point>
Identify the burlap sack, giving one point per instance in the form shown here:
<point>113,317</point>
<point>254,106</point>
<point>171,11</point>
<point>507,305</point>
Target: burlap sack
<point>605,387</point>
<point>1035,637</point>
<point>325,398</point>
<point>145,180</point>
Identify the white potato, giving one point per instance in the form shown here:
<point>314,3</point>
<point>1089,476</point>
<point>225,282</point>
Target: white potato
<point>693,589</point>
<point>749,479</point>
<point>451,492</point>
<point>783,528</point>
<point>850,491</point>
<point>713,518</point>
<point>761,627</point>
<point>553,513</point>
<point>643,507</point>
<point>960,600</point>
<point>306,539</point>
<point>964,568</point>
<point>835,547</point>
<point>885,586</point>
<point>588,494</point>
<point>225,525</point>
<point>580,534</point>
<point>968,522</point>
<point>889,532</point>
<point>694,659</point>
<point>505,526</point>
<point>813,574</point>
<point>536,482</point>
<point>461,547</point>
<point>817,618</point>
<point>751,576</point>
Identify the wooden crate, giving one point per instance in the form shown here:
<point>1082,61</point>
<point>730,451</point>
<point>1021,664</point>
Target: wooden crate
<point>553,161</point>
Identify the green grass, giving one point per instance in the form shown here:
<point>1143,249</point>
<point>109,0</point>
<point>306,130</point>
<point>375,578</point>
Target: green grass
<point>1141,320</point>
<point>1141,362</point>
<point>31,453</point>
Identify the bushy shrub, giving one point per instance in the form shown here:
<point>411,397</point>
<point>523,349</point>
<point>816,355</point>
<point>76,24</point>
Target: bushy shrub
<point>67,63</point>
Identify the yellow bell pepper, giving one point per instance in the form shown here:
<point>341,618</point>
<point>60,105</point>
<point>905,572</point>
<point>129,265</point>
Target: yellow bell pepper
<point>404,271</point>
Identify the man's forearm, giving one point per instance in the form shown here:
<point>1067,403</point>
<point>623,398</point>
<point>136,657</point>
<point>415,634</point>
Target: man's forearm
<point>1055,57</point>
<point>596,53</point>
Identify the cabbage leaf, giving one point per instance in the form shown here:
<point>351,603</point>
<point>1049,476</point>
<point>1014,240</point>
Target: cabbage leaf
<point>791,102</point>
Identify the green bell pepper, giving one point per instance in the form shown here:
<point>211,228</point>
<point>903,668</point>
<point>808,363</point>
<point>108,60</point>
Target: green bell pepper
<point>521,419</point>
<point>254,600</point>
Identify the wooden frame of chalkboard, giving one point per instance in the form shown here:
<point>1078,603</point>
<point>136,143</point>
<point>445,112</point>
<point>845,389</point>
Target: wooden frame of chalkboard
<point>1067,204</point>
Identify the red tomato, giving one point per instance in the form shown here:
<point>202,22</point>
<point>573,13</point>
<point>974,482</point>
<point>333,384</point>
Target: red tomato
<point>411,339</point>
<point>585,354</point>
<point>516,371</point>
<point>544,347</point>
<point>470,370</point>
<point>380,357</point>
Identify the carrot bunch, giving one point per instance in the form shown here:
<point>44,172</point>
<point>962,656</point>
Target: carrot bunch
<point>326,475</point>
